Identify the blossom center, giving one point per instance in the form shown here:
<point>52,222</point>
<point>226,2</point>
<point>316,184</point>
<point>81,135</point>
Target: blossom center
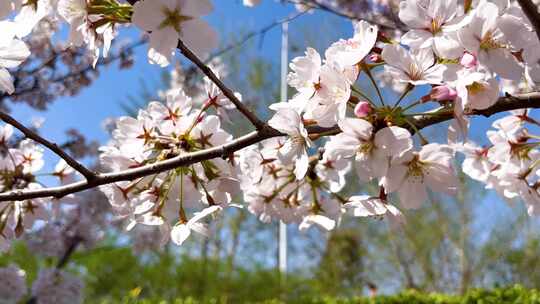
<point>414,72</point>
<point>488,42</point>
<point>365,148</point>
<point>436,25</point>
<point>475,88</point>
<point>415,169</point>
<point>173,18</point>
<point>32,3</point>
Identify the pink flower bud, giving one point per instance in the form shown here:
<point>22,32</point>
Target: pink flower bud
<point>362,109</point>
<point>442,93</point>
<point>468,60</point>
<point>375,58</point>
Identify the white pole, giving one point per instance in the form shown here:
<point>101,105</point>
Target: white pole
<point>284,61</point>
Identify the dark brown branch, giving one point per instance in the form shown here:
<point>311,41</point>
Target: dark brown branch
<point>89,175</point>
<point>73,244</point>
<point>506,103</point>
<point>260,32</point>
<point>259,124</point>
<point>131,174</point>
<point>530,100</point>
<point>315,4</point>
<point>531,11</point>
<point>22,91</point>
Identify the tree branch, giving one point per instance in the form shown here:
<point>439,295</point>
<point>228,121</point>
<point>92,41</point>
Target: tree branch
<point>131,174</point>
<point>507,103</point>
<point>315,4</point>
<point>23,90</point>
<point>89,175</point>
<point>531,11</point>
<point>262,31</point>
<point>259,124</point>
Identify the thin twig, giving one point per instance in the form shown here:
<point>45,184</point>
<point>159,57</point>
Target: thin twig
<point>81,71</point>
<point>249,36</point>
<point>89,175</point>
<point>131,174</point>
<point>259,124</point>
<point>314,4</point>
<point>507,103</point>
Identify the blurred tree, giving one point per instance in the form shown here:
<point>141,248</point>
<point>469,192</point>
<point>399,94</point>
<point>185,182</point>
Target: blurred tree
<point>341,270</point>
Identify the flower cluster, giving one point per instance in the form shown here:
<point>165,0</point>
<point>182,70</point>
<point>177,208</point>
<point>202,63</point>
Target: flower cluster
<point>18,166</point>
<point>163,131</point>
<point>464,54</point>
<point>460,52</point>
<point>94,23</point>
<point>510,164</point>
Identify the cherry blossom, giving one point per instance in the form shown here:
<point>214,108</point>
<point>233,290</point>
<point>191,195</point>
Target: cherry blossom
<point>181,231</point>
<point>477,90</point>
<point>347,53</point>
<point>171,20</point>
<point>411,174</point>
<point>294,148</point>
<point>433,24</point>
<point>371,151</point>
<point>12,53</point>
<point>483,38</point>
<point>415,67</point>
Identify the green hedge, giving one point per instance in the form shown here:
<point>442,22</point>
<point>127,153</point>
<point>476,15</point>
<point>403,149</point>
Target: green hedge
<point>514,294</point>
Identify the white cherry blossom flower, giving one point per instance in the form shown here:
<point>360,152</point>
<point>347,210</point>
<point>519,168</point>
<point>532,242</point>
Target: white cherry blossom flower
<point>182,231</point>
<point>12,53</point>
<point>218,100</point>
<point>415,67</point>
<point>372,152</point>
<point>477,90</point>
<point>332,169</point>
<point>348,53</point>
<point>365,205</point>
<point>30,14</point>
<point>173,20</point>
<point>476,163</point>
<point>29,156</point>
<point>5,133</point>
<point>414,172</point>
<point>322,221</point>
<point>484,39</point>
<point>63,171</point>
<point>323,90</point>
<point>433,24</point>
<point>288,121</point>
